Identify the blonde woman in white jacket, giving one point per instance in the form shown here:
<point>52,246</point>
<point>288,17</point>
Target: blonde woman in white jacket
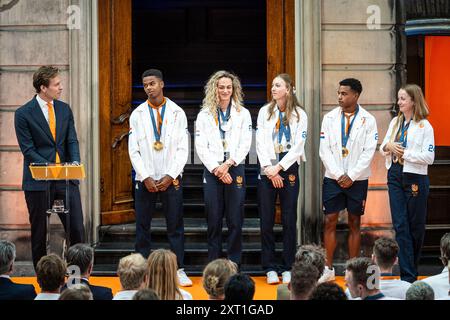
<point>280,141</point>
<point>223,138</point>
<point>409,148</point>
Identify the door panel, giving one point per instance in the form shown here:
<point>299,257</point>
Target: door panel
<point>115,107</point>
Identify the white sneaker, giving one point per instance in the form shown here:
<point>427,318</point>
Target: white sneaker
<point>286,276</point>
<point>327,275</point>
<point>183,279</point>
<point>272,277</point>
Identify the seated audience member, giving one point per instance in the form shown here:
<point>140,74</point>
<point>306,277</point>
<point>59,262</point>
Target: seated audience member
<point>162,276</point>
<point>82,255</point>
<point>239,287</point>
<point>304,278</point>
<point>8,289</point>
<point>50,273</point>
<point>215,276</point>
<point>328,291</point>
<point>131,272</point>
<point>77,292</point>
<point>146,294</point>
<point>440,282</point>
<point>360,280</point>
<point>384,255</point>
<point>309,254</point>
<point>420,290</point>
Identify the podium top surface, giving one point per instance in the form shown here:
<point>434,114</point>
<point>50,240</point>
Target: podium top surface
<point>57,171</point>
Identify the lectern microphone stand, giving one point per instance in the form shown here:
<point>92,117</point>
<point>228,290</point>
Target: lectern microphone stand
<point>58,172</point>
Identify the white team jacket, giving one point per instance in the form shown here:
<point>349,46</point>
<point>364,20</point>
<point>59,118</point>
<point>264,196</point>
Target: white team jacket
<point>208,142</point>
<point>419,152</point>
<point>175,139</point>
<point>361,144</point>
<point>264,138</point>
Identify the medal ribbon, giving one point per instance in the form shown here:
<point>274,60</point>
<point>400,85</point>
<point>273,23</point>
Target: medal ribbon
<point>404,134</point>
<point>283,130</point>
<point>345,133</point>
<point>223,118</point>
<point>157,129</point>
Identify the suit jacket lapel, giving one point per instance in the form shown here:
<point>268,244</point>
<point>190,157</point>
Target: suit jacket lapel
<point>58,118</point>
<point>38,116</point>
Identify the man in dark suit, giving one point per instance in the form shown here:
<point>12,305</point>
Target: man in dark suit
<point>80,262</point>
<point>46,134</point>
<point>8,289</point>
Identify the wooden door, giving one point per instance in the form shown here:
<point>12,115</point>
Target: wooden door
<point>115,87</point>
<point>280,39</point>
<point>115,80</point>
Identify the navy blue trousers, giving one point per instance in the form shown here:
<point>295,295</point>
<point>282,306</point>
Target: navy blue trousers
<point>145,207</point>
<point>225,200</point>
<point>408,194</point>
<point>37,203</point>
<point>267,195</point>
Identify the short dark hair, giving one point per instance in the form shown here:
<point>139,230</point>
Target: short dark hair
<point>445,248</point>
<point>81,255</point>
<point>386,251</point>
<point>311,254</point>
<point>304,277</point>
<point>353,83</point>
<point>152,72</point>
<point>50,272</point>
<point>43,76</point>
<point>360,269</point>
<point>328,291</point>
<point>239,287</point>
<point>146,294</point>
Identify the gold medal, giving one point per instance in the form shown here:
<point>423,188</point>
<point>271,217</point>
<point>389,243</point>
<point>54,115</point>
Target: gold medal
<point>401,161</point>
<point>158,145</point>
<point>224,144</point>
<point>278,148</point>
<point>344,152</point>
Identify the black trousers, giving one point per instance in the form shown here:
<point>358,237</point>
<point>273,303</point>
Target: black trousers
<point>225,200</point>
<point>267,195</point>
<point>145,207</point>
<point>408,196</point>
<point>38,204</point>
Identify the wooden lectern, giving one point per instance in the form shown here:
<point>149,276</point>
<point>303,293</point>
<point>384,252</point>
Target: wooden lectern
<point>58,172</point>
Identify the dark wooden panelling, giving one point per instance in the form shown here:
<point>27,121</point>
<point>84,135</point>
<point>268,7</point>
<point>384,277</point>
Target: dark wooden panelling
<point>199,38</point>
<point>427,9</point>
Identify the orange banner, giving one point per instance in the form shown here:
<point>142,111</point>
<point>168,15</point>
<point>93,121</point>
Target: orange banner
<point>437,86</point>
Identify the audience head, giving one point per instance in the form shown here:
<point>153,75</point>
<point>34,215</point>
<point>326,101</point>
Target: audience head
<point>215,276</point>
<point>328,291</point>
<point>51,272</point>
<point>131,271</point>
<point>81,255</point>
<point>385,253</point>
<point>146,294</point>
<point>304,277</point>
<point>239,287</point>
<point>359,277</point>
<point>420,290</point>
<point>7,256</point>
<point>162,274</point>
<point>313,255</point>
<point>445,249</point>
<point>77,292</point>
